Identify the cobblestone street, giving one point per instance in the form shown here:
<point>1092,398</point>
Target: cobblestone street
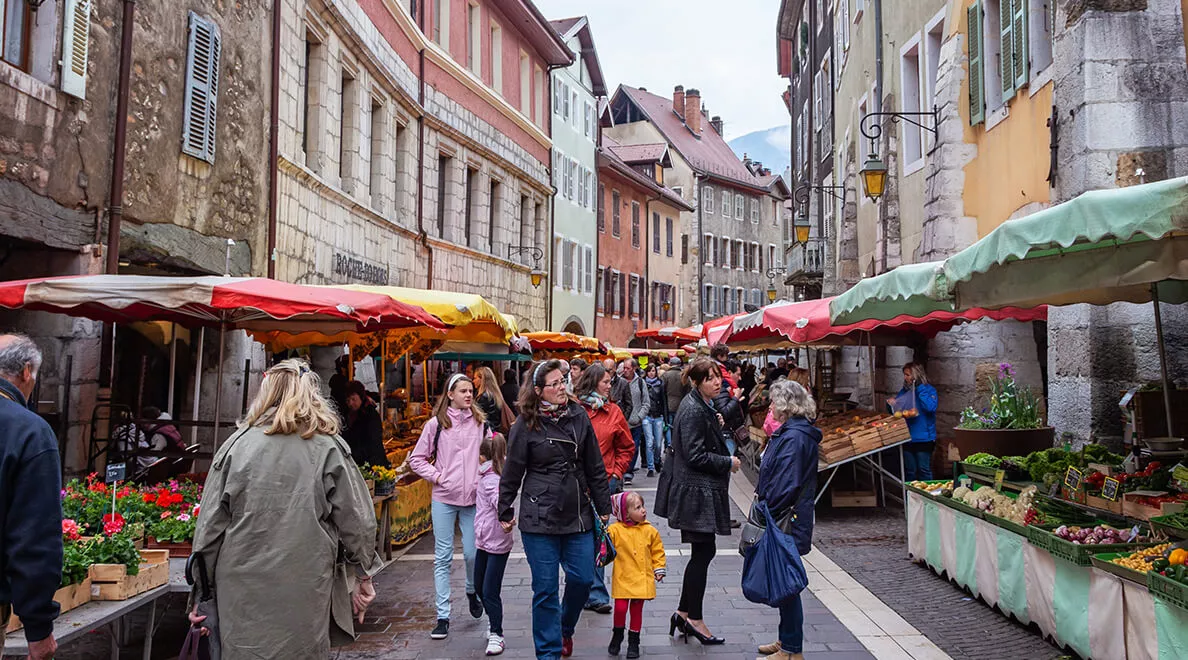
<point>871,545</point>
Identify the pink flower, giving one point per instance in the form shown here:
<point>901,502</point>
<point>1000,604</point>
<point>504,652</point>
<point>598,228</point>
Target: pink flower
<point>184,517</point>
<point>71,530</point>
<point>196,508</point>
<point>166,514</point>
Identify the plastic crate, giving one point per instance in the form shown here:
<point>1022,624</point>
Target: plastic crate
<point>1105,562</point>
<point>978,469</point>
<point>1077,554</point>
<point>1168,590</point>
<point>1159,523</point>
<point>927,494</point>
<point>1008,525</point>
<point>960,506</point>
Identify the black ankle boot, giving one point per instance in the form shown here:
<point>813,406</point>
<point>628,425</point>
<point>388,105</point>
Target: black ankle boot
<point>632,645</point>
<point>616,644</point>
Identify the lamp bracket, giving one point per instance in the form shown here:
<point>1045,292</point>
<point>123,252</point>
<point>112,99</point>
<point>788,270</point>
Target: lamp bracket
<point>873,130</point>
<point>516,250</point>
<point>800,196</point>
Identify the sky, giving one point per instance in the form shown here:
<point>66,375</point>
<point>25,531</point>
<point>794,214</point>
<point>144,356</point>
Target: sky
<point>728,54</point>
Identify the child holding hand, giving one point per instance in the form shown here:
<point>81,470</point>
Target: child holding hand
<point>493,543</point>
<point>639,564</point>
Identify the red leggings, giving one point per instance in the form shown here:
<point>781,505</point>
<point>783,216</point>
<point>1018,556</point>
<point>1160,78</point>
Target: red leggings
<point>636,605</point>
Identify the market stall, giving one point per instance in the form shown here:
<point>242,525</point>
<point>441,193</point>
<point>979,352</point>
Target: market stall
<point>564,346</point>
<point>671,334</point>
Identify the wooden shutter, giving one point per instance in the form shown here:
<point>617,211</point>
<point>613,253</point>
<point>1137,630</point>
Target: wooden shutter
<point>1006,58</point>
<point>977,91</point>
<point>1021,55</point>
<point>76,33</point>
<point>202,89</point>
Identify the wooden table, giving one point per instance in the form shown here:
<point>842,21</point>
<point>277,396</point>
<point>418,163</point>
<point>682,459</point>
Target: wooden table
<point>383,532</point>
<point>96,614</point>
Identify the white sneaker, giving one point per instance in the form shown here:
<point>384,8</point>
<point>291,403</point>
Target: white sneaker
<point>494,644</point>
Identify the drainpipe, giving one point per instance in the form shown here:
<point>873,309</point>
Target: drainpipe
<point>878,107</point>
<point>647,276</point>
<point>273,140</point>
<point>115,199</point>
<point>423,236</point>
<point>698,182</point>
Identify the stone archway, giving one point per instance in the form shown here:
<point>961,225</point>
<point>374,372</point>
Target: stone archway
<point>574,325</point>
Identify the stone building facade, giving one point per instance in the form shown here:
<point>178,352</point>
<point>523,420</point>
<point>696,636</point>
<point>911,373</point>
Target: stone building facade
<point>415,142</point>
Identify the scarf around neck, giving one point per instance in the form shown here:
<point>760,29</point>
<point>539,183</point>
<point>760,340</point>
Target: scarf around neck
<point>553,411</point>
<point>594,400</point>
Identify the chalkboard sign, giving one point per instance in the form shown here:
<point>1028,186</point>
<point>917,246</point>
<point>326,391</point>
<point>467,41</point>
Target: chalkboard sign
<point>999,475</point>
<point>1072,478</point>
<point>116,472</point>
<point>1111,489</point>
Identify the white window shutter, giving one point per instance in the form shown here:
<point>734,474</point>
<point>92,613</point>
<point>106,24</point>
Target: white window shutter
<point>202,89</point>
<point>76,33</point>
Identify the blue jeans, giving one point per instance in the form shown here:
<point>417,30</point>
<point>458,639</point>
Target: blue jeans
<point>598,593</point>
<point>792,626</point>
<point>444,518</point>
<point>653,428</point>
<point>668,419</point>
<point>488,577</point>
<point>554,618</point>
<point>637,434</point>
<point>917,465</point>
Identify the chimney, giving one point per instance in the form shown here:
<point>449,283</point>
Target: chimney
<point>746,157</point>
<point>716,122</point>
<point>678,100</point>
<point>693,111</point>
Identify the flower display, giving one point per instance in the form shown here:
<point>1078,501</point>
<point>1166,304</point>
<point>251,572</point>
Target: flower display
<point>1011,405</point>
<point>70,530</point>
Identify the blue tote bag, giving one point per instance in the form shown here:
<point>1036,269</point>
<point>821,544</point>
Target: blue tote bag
<point>772,571</point>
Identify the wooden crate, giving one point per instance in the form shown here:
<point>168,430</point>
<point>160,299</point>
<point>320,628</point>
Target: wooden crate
<point>894,431</point>
<point>1131,508</point>
<point>1103,504</point>
<point>867,439</point>
<point>856,498</point>
<point>112,582</point>
<point>67,598</point>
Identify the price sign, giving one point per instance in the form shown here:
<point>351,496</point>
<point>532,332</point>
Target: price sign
<point>116,472</point>
<point>1111,489</point>
<point>999,475</point>
<point>1072,478</point>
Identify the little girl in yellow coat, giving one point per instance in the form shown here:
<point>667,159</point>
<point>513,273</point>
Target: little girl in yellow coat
<point>639,564</point>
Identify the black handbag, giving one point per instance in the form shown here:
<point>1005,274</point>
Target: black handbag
<point>206,647</point>
<point>755,525</point>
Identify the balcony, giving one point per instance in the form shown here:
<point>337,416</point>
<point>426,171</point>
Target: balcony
<point>806,268</point>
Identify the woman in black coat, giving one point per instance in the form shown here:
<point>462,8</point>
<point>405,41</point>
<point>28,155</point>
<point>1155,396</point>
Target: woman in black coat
<point>555,465</point>
<point>788,483</point>
<point>693,491</point>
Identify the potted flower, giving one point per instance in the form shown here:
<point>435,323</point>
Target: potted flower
<point>1012,424</point>
<point>385,480</point>
<point>174,532</point>
<point>368,477</point>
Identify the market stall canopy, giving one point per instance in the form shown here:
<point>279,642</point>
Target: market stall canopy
<point>232,303</point>
<point>716,330</point>
<point>563,341</point>
<point>1102,247</point>
<point>671,334</point>
<point>806,323</point>
<point>470,316</point>
<point>912,290</point>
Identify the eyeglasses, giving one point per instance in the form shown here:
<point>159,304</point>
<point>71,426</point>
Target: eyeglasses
<point>555,384</point>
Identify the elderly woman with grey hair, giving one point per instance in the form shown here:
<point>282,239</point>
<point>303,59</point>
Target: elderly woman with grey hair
<point>787,487</point>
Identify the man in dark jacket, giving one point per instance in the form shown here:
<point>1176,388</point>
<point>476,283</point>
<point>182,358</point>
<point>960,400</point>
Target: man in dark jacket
<point>510,389</point>
<point>30,502</point>
<point>364,429</point>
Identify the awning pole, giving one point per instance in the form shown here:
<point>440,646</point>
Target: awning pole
<point>383,386</point>
<point>219,386</point>
<point>1162,358</point>
<point>197,385</point>
<point>172,367</point>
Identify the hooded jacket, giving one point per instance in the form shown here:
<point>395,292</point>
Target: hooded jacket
<point>788,476</point>
<point>556,469</point>
<point>454,475</point>
<point>488,533</point>
<point>614,438</point>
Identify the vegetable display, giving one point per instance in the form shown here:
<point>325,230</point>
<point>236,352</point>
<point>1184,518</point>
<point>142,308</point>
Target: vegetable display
<point>1099,535</point>
<point>1141,560</point>
<point>984,460</point>
<point>995,503</point>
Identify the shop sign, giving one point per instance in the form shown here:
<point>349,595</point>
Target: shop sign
<point>1072,478</point>
<point>1111,489</point>
<point>999,475</point>
<point>357,269</point>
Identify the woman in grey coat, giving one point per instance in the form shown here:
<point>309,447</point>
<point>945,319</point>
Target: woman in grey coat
<point>287,527</point>
<point>693,492</point>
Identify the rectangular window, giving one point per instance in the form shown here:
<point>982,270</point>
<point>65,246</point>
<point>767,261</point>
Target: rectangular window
<point>707,197</point>
<point>496,46</point>
<point>400,170</point>
<point>474,27</point>
<point>576,112</point>
<point>726,204</point>
<point>909,64</point>
<point>708,249</point>
<point>587,121</point>
<point>740,250</point>
<point>740,207</point>
<point>202,72</point>
<point>755,211</point>
<point>347,121</point>
<point>740,295</point>
<point>668,237</point>
<point>496,199</point>
<point>472,180</point>
<point>707,297</point>
<point>727,301</point>
<point>633,296</point>
<point>616,206</point>
<point>1041,16</point>
<point>655,232</point>
<point>761,269</point>
<point>376,151</point>
<point>635,228</point>
<point>771,256</point>
<point>601,208</point>
<point>538,90</point>
<point>558,262</point>
<point>684,249</point>
<point>724,252</point>
<point>441,24</point>
<point>571,265</point>
<point>565,101</point>
<point>15,28</point>
<point>590,187</point>
<point>308,122</point>
<point>557,96</point>
<point>600,292</point>
<point>443,171</point>
<point>525,84</point>
<point>573,180</point>
<point>588,269</point>
<point>995,49</point>
<point>756,257</point>
<point>621,285</point>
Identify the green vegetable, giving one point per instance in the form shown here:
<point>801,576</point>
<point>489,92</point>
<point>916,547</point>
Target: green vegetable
<point>983,459</point>
<point>1159,564</point>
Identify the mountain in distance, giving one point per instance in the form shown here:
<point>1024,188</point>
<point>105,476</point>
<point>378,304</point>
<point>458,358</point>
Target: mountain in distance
<point>772,147</point>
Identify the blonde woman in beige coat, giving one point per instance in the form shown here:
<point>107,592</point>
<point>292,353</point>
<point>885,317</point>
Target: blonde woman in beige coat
<point>287,527</point>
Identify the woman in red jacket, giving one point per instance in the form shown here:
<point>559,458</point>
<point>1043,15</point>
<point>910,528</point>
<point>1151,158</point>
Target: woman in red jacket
<point>618,448</point>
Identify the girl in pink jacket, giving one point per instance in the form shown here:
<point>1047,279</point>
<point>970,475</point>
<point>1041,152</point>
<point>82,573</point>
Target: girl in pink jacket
<point>447,456</point>
<point>494,545</point>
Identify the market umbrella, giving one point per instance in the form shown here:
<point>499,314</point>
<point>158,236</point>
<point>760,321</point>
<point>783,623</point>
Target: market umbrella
<point>1105,246</point>
<point>714,331</point>
<point>671,334</point>
<point>470,316</point>
<point>562,341</point>
<point>911,289</point>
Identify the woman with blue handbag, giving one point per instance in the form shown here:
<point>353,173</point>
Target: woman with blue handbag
<point>786,491</point>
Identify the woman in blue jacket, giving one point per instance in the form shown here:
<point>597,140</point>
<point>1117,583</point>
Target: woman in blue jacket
<point>788,488</point>
<point>921,421</point>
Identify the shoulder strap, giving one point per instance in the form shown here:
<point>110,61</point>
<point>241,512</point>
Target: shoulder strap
<point>436,437</point>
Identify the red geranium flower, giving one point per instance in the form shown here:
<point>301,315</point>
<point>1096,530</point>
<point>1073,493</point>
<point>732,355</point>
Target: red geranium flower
<point>112,524</point>
<point>71,530</point>
<point>149,498</point>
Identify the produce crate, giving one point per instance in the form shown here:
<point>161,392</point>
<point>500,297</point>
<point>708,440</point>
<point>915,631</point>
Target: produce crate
<point>961,506</point>
<point>1103,504</point>
<point>68,598</point>
<point>1069,551</point>
<point>1132,508</point>
<point>1160,523</point>
<point>1009,525</point>
<point>894,431</point>
<point>1168,590</point>
<point>1105,563</point>
<point>865,440</point>
<point>112,582</point>
<point>927,494</point>
<point>856,498</point>
<point>978,469</point>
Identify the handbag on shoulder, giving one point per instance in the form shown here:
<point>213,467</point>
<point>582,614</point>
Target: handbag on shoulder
<point>199,646</point>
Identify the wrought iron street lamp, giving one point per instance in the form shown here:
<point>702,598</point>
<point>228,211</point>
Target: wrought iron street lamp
<point>772,293</point>
<point>536,274</point>
<point>874,170</point>
<point>801,195</point>
<point>803,226</point>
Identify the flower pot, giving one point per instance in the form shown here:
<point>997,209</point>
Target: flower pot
<point>370,486</point>
<point>1003,442</point>
<point>176,550</point>
<point>383,488</point>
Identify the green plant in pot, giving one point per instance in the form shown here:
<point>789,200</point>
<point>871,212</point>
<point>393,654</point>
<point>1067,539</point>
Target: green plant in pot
<point>1011,406</point>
